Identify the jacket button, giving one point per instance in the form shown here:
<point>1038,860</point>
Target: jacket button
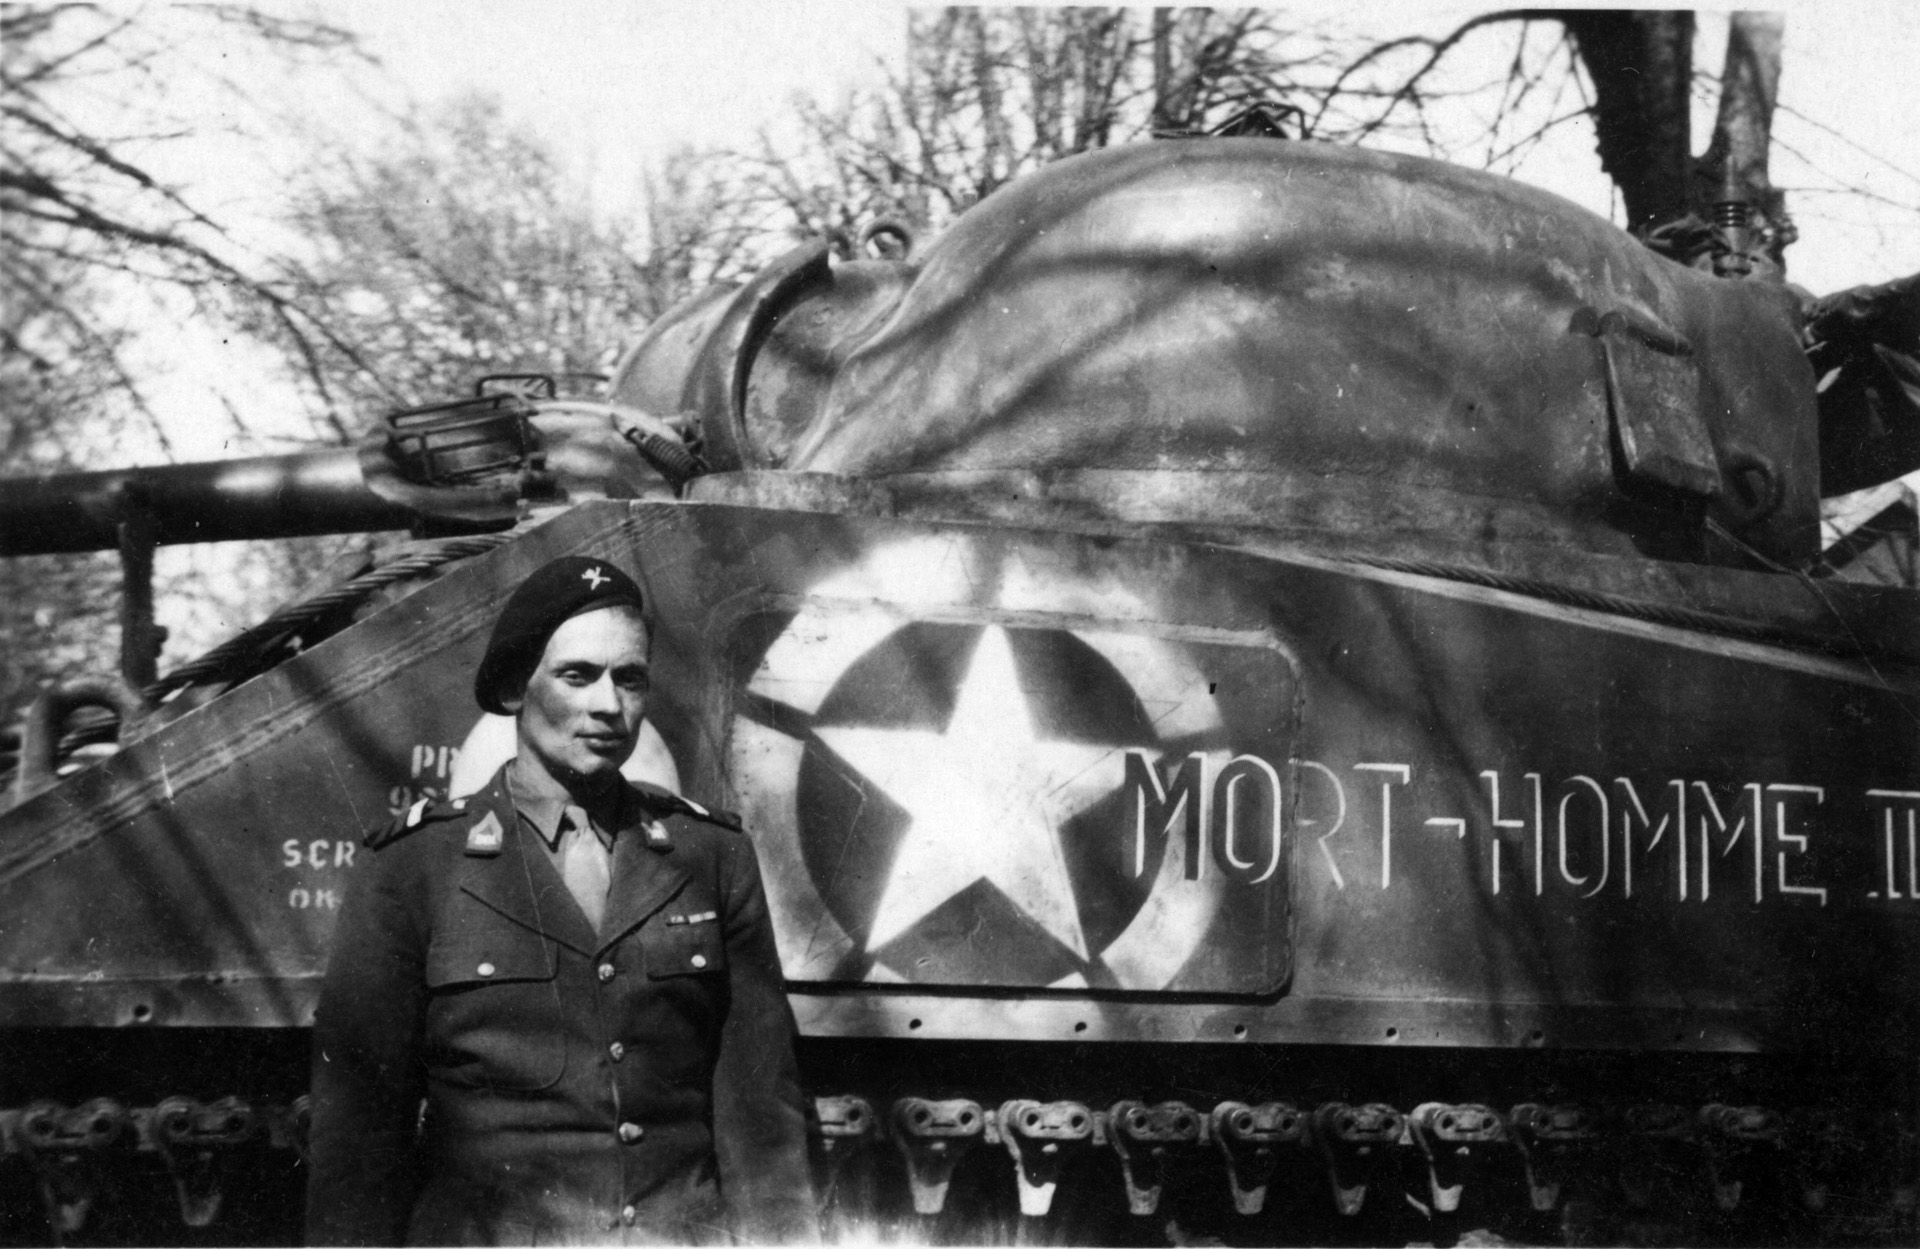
<point>698,960</point>
<point>618,1051</point>
<point>630,1215</point>
<point>631,1132</point>
<point>606,971</point>
<point>485,969</point>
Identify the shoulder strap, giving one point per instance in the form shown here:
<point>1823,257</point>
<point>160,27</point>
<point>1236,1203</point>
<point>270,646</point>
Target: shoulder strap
<point>666,802</point>
<point>416,817</point>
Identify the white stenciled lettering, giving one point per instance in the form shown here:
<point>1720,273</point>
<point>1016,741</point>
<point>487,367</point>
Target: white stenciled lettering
<point>1633,809</point>
<point>1405,772</point>
<point>434,761</point>
<point>1894,803</point>
<point>1782,795</point>
<point>1500,822</point>
<point>1668,841</point>
<point>1751,830</point>
<point>1157,804</point>
<point>299,898</point>
<point>325,899</point>
<point>1247,805</point>
<point>1605,839</point>
<point>1339,817</point>
<point>319,853</point>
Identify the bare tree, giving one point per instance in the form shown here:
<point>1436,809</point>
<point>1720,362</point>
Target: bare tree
<point>454,248</point>
<point>87,98</point>
<point>91,98</point>
<point>989,94</point>
<point>56,601</point>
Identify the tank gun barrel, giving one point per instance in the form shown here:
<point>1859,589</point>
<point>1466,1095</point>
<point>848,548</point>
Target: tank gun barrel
<point>269,496</point>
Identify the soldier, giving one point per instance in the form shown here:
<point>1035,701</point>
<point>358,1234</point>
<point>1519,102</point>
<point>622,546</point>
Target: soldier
<point>577,974</point>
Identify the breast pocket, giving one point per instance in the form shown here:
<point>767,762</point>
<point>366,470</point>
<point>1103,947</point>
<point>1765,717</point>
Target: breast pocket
<point>694,948</point>
<point>493,1008</point>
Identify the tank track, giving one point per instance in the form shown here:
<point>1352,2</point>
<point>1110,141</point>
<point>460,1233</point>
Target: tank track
<point>955,1170</point>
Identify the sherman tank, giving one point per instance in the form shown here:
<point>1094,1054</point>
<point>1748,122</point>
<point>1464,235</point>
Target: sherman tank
<point>1283,693</point>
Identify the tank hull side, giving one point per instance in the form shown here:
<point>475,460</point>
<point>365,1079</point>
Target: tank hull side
<point>1423,812</point>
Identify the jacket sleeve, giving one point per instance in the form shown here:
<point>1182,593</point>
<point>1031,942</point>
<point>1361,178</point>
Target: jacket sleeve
<point>367,1074</point>
<point>759,1115</point>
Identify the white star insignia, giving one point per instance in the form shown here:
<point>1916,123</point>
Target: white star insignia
<point>987,800</point>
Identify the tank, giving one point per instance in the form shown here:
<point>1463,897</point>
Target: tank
<point>1273,686</point>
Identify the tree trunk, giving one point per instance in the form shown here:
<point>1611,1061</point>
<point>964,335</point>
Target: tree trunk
<point>1735,164</point>
<point>1163,118</point>
<point>1641,64</point>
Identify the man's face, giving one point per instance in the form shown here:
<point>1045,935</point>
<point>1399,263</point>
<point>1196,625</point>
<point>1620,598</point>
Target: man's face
<point>580,715</point>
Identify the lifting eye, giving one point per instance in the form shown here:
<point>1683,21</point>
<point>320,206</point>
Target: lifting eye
<point>1754,488</point>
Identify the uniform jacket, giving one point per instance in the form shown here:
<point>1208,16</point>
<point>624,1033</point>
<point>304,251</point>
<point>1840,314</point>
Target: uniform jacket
<point>632,1085</point>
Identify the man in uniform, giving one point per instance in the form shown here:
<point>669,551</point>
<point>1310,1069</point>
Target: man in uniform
<point>577,975</point>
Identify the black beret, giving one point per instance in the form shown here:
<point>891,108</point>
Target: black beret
<point>554,594</point>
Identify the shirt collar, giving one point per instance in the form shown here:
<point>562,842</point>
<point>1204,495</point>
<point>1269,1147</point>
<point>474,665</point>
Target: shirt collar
<point>542,803</point>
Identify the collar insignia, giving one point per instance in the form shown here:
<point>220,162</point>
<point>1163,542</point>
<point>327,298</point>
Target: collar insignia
<point>656,833</point>
<point>486,837</point>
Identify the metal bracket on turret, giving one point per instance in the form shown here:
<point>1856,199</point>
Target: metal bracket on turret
<point>1653,400</point>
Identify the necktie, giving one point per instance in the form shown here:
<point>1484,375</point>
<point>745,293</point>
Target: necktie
<point>585,865</point>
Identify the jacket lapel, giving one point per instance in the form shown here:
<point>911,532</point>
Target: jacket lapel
<point>645,878</point>
<point>520,882</point>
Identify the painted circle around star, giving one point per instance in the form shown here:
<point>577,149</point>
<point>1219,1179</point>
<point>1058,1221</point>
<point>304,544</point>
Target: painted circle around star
<point>849,829</point>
